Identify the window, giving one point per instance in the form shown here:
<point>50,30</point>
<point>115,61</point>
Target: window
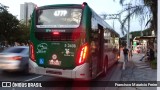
<point>59,18</point>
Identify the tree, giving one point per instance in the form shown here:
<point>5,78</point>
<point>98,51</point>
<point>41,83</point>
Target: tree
<point>8,24</point>
<point>3,7</point>
<point>11,29</point>
<point>143,9</point>
<point>23,33</point>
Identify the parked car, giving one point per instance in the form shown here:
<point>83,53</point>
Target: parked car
<point>15,59</point>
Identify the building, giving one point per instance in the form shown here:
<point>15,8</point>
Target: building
<point>26,10</point>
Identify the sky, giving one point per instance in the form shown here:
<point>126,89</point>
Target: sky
<point>99,6</point>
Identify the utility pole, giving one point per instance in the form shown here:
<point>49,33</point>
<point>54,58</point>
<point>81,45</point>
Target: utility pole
<point>128,35</point>
<point>128,31</point>
<point>113,24</point>
<point>129,43</point>
<point>118,16</point>
<point>141,27</point>
<point>114,16</point>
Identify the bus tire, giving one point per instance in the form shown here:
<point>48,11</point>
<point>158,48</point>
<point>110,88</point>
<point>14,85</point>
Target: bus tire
<point>105,67</point>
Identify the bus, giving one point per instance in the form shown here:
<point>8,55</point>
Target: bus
<point>71,41</point>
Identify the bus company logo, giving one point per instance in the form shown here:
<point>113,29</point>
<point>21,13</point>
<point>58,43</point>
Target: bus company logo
<point>54,56</point>
<point>41,48</point>
<point>6,84</point>
<point>54,60</point>
<point>67,51</point>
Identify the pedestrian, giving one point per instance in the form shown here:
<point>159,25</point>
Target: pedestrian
<point>151,54</point>
<point>146,55</point>
<point>130,53</point>
<point>125,52</point>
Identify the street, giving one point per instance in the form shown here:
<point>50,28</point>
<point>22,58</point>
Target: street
<point>138,71</point>
<point>135,71</point>
<point>112,75</point>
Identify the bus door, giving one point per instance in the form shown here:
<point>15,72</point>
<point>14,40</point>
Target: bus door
<point>100,49</point>
<point>96,50</point>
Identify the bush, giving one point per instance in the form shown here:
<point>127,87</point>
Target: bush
<point>154,64</point>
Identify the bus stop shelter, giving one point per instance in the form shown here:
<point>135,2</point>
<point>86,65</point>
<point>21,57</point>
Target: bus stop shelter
<point>145,38</point>
<point>150,41</point>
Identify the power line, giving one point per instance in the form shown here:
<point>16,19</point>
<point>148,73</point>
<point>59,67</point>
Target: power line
<point>118,16</point>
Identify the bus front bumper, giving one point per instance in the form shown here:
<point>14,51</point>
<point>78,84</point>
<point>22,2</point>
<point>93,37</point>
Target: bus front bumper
<point>79,72</point>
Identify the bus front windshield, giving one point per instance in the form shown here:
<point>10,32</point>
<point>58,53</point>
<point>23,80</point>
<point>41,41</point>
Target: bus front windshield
<point>59,18</point>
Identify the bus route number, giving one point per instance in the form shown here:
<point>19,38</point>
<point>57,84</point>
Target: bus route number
<point>60,13</point>
<point>70,45</point>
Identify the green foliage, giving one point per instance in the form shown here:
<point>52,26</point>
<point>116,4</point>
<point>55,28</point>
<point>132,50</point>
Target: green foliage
<point>8,24</point>
<point>142,10</point>
<point>11,30</point>
<point>135,33</point>
<point>154,64</point>
<point>146,32</point>
<point>23,32</point>
<point>3,7</point>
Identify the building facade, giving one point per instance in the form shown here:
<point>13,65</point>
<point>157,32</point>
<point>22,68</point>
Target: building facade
<point>26,10</point>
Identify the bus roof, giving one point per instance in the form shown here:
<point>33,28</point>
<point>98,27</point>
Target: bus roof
<point>60,5</point>
<point>103,23</point>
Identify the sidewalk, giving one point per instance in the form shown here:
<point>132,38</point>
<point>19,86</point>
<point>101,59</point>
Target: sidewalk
<point>137,71</point>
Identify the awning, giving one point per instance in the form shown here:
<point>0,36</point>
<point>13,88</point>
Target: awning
<point>144,37</point>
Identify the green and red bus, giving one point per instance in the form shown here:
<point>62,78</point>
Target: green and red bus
<point>71,41</point>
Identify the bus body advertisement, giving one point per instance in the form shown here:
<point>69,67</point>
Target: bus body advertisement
<point>71,41</point>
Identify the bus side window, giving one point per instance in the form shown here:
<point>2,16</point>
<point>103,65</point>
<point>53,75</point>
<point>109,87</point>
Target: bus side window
<point>94,40</point>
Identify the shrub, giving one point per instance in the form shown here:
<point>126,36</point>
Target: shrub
<point>154,64</point>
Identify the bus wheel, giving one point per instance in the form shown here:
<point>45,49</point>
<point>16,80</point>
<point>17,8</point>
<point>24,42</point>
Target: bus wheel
<point>105,67</point>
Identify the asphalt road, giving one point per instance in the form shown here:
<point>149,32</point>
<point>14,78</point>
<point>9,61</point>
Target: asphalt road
<point>114,74</point>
